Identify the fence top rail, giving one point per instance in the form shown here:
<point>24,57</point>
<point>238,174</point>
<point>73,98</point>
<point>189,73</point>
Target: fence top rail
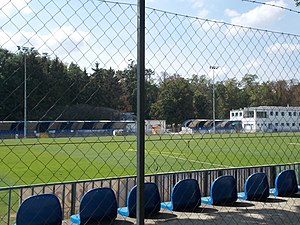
<point>147,175</point>
<point>198,18</point>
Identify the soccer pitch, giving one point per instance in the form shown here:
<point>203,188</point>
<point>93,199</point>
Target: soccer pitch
<point>30,161</point>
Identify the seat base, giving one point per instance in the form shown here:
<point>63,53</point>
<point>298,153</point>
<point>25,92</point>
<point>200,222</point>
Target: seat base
<point>207,200</point>
<point>242,195</point>
<point>123,211</point>
<point>167,205</point>
<point>75,218</point>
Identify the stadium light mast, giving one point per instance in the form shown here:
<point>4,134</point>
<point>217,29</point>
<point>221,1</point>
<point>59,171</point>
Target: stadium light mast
<point>25,50</point>
<point>213,68</point>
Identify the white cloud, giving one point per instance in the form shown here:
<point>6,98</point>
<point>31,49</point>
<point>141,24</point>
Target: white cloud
<point>9,6</point>
<point>283,48</point>
<point>69,44</point>
<point>66,39</point>
<point>253,64</point>
<point>260,16</point>
<point>203,13</point>
<point>199,6</point>
<point>62,40</point>
<point>231,13</point>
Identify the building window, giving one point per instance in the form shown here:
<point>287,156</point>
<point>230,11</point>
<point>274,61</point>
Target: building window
<point>282,113</point>
<point>290,113</point>
<point>271,113</point>
<point>276,124</point>
<point>276,113</point>
<point>287,124</point>
<point>236,114</point>
<point>282,124</point>
<point>249,114</point>
<point>232,114</point>
<point>293,124</point>
<point>241,114</point>
<point>294,114</point>
<point>261,114</point>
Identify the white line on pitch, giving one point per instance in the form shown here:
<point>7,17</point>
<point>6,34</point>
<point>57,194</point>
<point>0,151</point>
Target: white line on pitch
<point>294,143</point>
<point>185,159</point>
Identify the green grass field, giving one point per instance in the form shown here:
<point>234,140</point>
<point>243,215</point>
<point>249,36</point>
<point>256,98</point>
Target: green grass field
<point>31,161</point>
<point>28,161</point>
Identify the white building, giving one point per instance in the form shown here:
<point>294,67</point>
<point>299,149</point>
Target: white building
<point>268,118</point>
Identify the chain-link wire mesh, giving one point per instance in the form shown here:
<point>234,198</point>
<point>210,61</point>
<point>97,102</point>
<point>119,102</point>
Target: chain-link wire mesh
<point>220,100</point>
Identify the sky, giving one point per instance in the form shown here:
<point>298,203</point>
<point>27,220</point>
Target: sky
<point>89,31</point>
<point>237,12</point>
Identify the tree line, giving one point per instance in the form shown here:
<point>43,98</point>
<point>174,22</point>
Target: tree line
<point>60,91</point>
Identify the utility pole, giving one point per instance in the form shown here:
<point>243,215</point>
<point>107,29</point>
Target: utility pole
<point>25,50</point>
<point>213,68</point>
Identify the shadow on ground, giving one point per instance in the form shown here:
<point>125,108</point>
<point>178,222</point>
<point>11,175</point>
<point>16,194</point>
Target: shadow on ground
<point>242,216</point>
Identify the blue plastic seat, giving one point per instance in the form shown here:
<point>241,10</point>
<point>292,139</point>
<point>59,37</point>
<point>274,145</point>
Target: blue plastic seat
<point>151,201</point>
<point>285,184</point>
<point>223,191</point>
<point>256,188</point>
<point>42,209</point>
<point>96,205</point>
<point>185,196</point>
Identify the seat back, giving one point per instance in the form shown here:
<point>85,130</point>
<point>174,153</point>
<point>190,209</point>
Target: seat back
<point>223,190</point>
<point>42,209</point>
<point>286,183</point>
<point>186,195</point>
<point>151,200</point>
<point>257,187</point>
<point>98,205</point>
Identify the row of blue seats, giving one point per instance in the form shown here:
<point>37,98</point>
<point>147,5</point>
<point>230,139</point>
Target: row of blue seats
<point>100,204</point>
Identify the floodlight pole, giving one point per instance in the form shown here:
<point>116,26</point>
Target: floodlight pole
<point>140,212</point>
<point>213,68</point>
<point>24,50</point>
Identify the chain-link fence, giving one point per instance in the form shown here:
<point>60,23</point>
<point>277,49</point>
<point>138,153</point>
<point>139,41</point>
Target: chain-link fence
<point>221,101</point>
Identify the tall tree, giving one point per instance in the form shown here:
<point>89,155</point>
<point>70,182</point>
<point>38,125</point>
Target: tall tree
<point>11,85</point>
<point>37,85</point>
<point>281,93</point>
<point>128,83</point>
<point>229,97</point>
<point>80,81</point>
<point>175,101</point>
<point>266,93</point>
<point>150,98</point>
<point>111,89</point>
<point>250,90</point>
<point>104,88</point>
<point>201,96</point>
<point>295,94</point>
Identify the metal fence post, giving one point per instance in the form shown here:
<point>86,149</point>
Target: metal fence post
<point>73,198</point>
<point>272,175</point>
<point>205,183</point>
<point>140,110</point>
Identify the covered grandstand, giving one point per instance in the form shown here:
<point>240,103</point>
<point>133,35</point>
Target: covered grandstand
<point>15,129</point>
<point>206,126</point>
<point>37,129</point>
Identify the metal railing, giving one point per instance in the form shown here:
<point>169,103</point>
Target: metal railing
<point>70,193</point>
